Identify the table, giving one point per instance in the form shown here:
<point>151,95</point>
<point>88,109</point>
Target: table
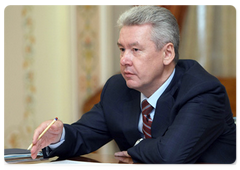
<point>92,157</point>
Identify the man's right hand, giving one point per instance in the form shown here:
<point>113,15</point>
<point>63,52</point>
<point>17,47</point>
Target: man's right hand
<point>53,135</point>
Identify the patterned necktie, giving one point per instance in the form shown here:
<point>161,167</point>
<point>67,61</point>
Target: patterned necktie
<point>147,121</point>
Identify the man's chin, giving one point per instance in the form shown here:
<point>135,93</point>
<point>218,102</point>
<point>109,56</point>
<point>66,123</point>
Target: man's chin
<point>131,84</point>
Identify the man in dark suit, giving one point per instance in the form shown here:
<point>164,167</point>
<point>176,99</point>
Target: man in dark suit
<point>186,115</point>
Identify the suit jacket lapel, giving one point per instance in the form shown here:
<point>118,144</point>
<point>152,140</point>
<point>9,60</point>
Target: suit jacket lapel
<point>162,118</point>
<point>131,113</point>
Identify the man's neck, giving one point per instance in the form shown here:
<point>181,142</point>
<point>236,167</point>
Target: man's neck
<point>149,91</point>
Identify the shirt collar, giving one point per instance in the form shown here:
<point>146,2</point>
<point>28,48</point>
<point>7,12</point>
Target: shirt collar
<point>155,96</point>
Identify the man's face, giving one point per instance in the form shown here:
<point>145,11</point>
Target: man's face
<point>141,63</point>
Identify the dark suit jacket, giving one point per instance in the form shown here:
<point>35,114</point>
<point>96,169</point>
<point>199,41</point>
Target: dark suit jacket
<point>192,123</point>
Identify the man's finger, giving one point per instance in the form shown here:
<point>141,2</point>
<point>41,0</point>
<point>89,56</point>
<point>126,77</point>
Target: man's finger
<point>122,154</point>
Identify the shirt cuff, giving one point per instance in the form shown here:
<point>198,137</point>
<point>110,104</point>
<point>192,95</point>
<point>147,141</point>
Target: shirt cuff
<point>55,145</point>
<point>138,141</point>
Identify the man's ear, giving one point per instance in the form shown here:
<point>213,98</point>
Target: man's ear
<point>168,53</point>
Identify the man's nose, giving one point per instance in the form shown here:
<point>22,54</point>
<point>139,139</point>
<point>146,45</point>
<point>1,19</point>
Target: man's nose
<point>126,58</point>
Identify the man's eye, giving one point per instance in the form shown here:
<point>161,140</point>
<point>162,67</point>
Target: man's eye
<point>122,49</point>
<point>135,49</point>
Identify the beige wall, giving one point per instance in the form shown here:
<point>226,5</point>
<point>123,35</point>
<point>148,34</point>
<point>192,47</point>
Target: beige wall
<point>37,77</point>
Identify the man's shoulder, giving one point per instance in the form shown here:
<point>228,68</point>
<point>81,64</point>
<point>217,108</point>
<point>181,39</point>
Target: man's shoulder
<point>116,83</point>
<point>192,70</point>
<point>195,78</point>
<point>116,89</point>
<point>190,66</point>
<point>116,80</point>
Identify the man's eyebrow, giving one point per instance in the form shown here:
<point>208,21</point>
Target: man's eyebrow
<point>119,44</point>
<point>132,44</point>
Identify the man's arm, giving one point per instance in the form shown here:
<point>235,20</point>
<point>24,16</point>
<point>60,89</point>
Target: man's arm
<point>196,126</point>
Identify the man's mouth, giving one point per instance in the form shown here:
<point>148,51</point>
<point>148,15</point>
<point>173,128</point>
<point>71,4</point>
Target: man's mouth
<point>128,74</point>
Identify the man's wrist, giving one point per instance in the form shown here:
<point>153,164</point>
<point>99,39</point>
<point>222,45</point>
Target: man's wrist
<point>62,139</point>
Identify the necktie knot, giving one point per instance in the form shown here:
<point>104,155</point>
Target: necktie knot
<point>146,108</point>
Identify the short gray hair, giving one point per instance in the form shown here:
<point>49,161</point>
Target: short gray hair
<point>165,27</point>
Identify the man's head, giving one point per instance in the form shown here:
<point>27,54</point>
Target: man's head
<point>147,44</point>
<point>164,25</point>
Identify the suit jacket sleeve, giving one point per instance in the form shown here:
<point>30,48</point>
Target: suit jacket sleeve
<point>198,122</point>
<point>84,136</point>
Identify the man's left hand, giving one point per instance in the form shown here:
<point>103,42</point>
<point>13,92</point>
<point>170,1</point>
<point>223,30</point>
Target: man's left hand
<point>123,157</point>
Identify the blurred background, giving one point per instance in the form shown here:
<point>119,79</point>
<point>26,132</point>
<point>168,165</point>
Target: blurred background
<point>57,59</point>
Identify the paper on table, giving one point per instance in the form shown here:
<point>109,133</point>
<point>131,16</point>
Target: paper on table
<point>24,160</point>
<point>17,153</point>
<point>69,162</point>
